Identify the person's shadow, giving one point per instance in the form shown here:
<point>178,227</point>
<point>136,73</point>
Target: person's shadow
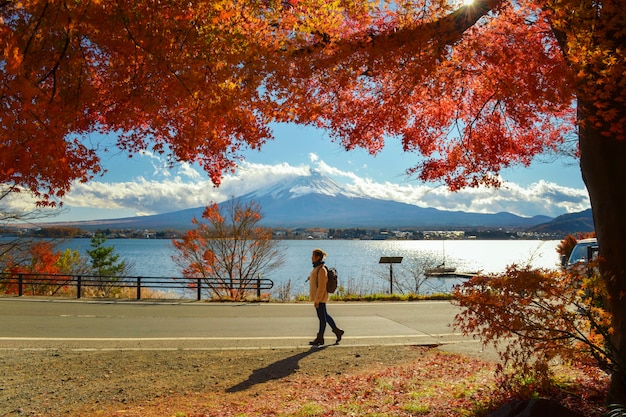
<point>276,370</point>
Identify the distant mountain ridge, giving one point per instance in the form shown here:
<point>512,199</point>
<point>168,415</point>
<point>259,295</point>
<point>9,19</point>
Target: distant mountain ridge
<point>317,201</point>
<point>568,223</point>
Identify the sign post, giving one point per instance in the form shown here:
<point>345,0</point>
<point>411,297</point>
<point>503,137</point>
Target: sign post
<point>390,260</point>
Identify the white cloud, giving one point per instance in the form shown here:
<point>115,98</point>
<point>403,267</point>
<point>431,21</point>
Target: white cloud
<point>540,198</point>
<point>161,169</point>
<point>145,197</point>
<point>330,171</point>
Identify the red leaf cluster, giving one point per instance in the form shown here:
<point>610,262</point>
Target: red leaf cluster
<point>537,318</point>
<point>473,89</point>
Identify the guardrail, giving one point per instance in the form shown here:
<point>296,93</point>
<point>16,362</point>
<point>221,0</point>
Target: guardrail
<point>20,281</point>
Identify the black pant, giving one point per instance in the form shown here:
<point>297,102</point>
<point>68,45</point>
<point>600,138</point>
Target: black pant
<point>324,318</point>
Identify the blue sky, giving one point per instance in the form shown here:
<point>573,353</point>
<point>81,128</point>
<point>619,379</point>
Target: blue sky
<point>142,185</point>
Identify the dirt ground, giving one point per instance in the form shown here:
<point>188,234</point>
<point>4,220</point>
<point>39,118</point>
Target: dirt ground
<point>69,383</point>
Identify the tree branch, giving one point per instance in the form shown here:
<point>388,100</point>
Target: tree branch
<point>445,31</point>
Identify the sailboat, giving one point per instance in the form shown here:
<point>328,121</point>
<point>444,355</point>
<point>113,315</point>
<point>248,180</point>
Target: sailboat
<point>445,271</point>
<point>441,269</point>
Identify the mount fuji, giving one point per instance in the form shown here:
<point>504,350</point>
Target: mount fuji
<point>317,201</point>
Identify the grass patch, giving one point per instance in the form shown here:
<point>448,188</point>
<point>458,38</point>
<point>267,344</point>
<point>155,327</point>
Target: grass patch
<point>309,410</point>
<point>379,297</point>
<point>416,408</point>
<point>390,297</point>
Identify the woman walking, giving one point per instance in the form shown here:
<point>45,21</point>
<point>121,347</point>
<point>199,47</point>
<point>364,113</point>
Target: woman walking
<point>318,294</point>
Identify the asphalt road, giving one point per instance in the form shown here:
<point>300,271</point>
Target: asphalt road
<point>28,323</point>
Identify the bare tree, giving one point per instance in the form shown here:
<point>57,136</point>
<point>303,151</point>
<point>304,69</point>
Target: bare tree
<point>410,276</point>
<point>229,250</point>
<point>415,273</point>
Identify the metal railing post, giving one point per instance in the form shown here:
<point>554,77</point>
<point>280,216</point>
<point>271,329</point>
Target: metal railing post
<point>199,283</point>
<point>138,288</point>
<point>20,285</point>
<point>79,281</point>
<point>258,286</point>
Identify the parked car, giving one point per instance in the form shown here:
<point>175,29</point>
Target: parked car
<point>585,250</point>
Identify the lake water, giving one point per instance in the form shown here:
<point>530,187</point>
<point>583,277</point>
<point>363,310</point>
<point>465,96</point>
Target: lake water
<point>357,261</point>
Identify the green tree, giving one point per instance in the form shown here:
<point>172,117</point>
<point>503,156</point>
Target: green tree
<point>229,249</point>
<point>106,267</point>
<point>104,261</point>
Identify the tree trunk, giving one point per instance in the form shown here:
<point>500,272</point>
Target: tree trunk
<point>603,165</point>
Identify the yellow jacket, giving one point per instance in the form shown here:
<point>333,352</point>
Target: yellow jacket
<point>317,284</point>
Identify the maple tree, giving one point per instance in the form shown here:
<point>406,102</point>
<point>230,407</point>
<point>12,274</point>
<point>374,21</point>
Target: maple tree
<point>537,316</point>
<point>164,77</point>
<point>472,88</point>
<point>38,264</point>
<point>228,249</point>
<point>41,267</point>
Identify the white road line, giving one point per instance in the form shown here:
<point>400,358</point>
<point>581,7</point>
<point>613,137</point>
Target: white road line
<point>156,339</point>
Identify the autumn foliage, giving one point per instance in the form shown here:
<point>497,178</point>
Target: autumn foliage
<point>539,318</point>
<point>228,250</point>
<point>42,269</point>
<point>32,262</point>
<point>161,77</point>
<point>199,80</point>
<point>472,89</point>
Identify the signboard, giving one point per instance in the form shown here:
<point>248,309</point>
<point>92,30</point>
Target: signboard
<point>390,260</point>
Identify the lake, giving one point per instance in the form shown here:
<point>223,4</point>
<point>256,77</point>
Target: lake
<point>357,261</point>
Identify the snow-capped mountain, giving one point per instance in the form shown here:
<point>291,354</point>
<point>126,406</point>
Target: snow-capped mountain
<point>317,201</point>
<point>300,186</point>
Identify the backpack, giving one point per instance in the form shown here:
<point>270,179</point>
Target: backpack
<point>331,285</point>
